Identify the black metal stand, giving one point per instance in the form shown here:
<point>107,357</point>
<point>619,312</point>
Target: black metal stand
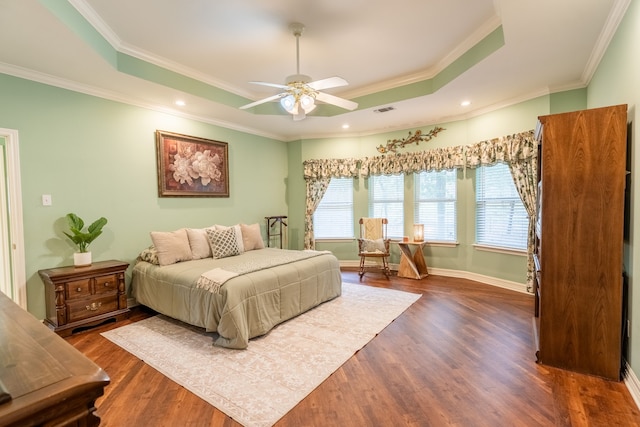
<point>272,221</point>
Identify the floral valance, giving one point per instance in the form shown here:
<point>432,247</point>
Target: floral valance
<point>330,168</point>
<point>393,164</point>
<point>507,149</point>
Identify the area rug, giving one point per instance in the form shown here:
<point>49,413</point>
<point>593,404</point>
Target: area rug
<point>259,385</point>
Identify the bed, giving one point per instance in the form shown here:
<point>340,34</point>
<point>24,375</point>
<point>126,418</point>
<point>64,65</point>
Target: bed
<point>247,302</point>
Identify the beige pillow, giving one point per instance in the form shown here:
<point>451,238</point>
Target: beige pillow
<point>251,237</point>
<point>172,246</point>
<point>238,234</point>
<point>199,243</point>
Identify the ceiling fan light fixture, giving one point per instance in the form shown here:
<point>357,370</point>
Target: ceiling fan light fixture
<point>300,93</point>
<point>293,103</point>
<point>288,102</point>
<point>307,103</point>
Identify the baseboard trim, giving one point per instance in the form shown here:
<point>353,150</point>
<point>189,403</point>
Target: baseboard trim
<point>632,383</point>
<point>488,280</point>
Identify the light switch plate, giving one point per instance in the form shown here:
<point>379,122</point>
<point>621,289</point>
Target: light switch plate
<point>46,200</point>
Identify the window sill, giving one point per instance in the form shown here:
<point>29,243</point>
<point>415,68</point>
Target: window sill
<point>336,240</point>
<point>497,249</point>
<point>438,243</point>
<point>442,243</point>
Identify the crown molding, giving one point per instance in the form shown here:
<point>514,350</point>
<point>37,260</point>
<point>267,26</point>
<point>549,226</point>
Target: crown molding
<point>608,31</point>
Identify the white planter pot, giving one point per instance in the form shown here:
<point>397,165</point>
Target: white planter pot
<point>82,259</point>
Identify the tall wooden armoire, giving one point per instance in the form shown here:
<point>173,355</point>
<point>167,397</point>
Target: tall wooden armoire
<point>579,240</point>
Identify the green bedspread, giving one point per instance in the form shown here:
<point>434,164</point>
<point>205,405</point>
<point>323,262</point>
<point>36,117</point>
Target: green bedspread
<point>246,306</point>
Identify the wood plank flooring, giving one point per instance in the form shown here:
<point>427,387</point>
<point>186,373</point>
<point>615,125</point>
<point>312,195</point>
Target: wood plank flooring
<point>462,355</point>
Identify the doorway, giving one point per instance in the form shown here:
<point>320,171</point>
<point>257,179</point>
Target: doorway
<point>12,262</point>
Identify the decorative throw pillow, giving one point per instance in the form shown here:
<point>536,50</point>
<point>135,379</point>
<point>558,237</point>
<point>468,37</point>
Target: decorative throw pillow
<point>150,255</point>
<point>199,243</point>
<point>251,237</point>
<point>238,234</point>
<point>376,245</point>
<point>172,246</point>
<point>224,243</point>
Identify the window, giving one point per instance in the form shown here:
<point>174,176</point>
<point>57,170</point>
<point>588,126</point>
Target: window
<point>386,200</point>
<point>435,204</point>
<point>333,218</point>
<point>501,219</point>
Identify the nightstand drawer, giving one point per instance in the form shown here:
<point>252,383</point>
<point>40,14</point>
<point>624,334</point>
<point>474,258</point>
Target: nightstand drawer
<point>106,284</point>
<point>78,310</point>
<point>78,289</point>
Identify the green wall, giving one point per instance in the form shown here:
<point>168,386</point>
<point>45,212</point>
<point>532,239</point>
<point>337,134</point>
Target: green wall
<point>616,82</point>
<point>97,158</point>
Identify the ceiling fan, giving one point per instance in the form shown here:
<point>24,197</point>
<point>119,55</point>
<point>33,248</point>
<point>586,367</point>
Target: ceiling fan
<point>300,93</point>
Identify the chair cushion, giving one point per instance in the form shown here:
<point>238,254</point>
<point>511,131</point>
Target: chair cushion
<point>373,246</point>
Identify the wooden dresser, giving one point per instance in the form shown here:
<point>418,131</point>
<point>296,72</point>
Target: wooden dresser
<point>579,240</point>
<point>78,297</point>
<point>43,379</point>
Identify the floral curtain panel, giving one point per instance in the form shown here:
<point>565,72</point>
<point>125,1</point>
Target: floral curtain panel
<point>317,176</point>
<point>524,174</point>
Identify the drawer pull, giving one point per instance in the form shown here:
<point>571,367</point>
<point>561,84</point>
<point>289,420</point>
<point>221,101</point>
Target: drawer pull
<point>94,306</point>
<point>79,290</point>
<point>107,284</point>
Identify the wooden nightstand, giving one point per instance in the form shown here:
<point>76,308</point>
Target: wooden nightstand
<point>78,297</point>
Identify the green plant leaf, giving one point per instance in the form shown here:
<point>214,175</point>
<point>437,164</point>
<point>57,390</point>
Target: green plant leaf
<point>81,238</point>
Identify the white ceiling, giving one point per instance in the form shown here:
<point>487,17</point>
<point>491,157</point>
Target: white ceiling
<point>376,45</point>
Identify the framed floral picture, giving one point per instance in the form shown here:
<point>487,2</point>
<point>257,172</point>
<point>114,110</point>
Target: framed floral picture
<point>191,167</point>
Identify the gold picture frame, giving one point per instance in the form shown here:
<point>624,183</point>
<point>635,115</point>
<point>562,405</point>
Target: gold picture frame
<point>189,166</point>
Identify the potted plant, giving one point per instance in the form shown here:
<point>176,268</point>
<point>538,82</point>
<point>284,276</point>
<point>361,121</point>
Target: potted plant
<point>83,238</point>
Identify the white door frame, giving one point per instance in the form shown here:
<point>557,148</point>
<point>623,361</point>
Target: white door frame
<point>14,202</point>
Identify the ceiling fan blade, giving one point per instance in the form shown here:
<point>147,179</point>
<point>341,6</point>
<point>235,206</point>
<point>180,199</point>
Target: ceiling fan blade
<point>262,101</point>
<point>279,86</point>
<point>334,100</point>
<point>327,83</point>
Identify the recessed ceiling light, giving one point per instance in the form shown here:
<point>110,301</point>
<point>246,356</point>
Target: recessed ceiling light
<point>345,126</point>
<point>181,103</point>
<point>465,103</point>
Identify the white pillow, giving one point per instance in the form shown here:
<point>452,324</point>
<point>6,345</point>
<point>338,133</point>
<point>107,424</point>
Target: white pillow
<point>199,243</point>
<point>172,246</point>
<point>236,229</point>
<point>223,242</point>
<point>251,237</point>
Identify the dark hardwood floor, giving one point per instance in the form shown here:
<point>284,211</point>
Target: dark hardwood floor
<point>462,355</point>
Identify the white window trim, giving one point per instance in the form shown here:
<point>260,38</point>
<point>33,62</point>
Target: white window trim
<point>336,240</point>
<point>511,251</point>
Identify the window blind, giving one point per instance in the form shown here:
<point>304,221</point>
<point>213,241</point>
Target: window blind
<point>333,218</point>
<point>386,200</point>
<point>435,204</point>
<point>501,219</point>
